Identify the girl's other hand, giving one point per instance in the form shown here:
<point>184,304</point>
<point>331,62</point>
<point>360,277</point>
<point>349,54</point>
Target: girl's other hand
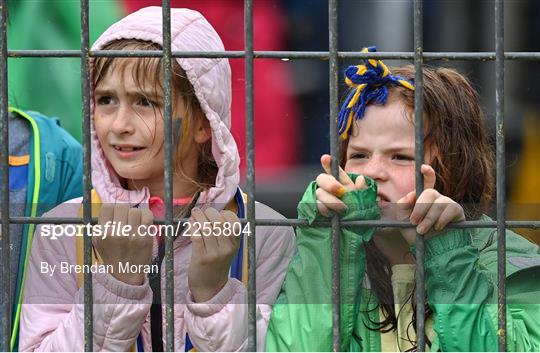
<point>330,190</point>
<point>213,249</point>
<point>115,248</point>
<point>431,212</point>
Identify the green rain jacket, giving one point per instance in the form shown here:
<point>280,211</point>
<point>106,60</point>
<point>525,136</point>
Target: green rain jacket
<point>461,277</point>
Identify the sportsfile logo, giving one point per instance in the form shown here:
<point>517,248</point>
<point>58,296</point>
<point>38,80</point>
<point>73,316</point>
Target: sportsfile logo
<point>119,229</point>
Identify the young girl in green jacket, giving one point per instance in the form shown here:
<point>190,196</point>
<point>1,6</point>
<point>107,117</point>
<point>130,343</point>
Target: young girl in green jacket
<point>377,181</point>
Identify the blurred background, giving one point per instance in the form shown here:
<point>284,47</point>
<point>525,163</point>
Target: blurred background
<point>291,97</point>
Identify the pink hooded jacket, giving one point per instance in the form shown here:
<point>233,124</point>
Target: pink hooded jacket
<point>52,317</point>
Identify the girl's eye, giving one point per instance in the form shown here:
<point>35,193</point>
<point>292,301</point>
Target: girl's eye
<point>358,156</point>
<point>402,157</point>
<point>145,102</point>
<point>104,100</point>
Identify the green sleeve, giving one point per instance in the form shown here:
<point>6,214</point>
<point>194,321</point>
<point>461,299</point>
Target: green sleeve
<point>463,295</point>
<point>301,319</point>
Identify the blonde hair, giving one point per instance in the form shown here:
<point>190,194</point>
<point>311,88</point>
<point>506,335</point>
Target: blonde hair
<point>151,70</point>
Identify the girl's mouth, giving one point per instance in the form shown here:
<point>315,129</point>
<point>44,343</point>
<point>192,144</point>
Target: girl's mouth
<point>383,201</point>
<point>125,148</point>
<point>127,151</point>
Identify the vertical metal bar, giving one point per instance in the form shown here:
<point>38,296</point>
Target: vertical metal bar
<point>501,177</point>
<point>250,170</point>
<point>419,158</point>
<point>334,152</point>
<point>5,328</point>
<point>168,139</point>
<point>87,180</point>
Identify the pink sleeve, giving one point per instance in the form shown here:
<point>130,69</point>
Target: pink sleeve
<point>52,317</point>
<point>221,324</point>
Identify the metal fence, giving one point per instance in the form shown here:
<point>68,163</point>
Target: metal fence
<point>333,56</point>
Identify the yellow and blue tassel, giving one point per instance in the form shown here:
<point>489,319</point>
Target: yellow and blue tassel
<point>369,84</point>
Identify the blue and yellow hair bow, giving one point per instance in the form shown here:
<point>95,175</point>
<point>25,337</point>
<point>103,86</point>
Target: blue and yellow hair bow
<point>369,83</point>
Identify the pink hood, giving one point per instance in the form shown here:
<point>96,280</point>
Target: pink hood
<point>211,79</point>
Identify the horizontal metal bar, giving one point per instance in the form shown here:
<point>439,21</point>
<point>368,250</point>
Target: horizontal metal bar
<point>121,53</point>
<point>296,222</point>
<point>283,55</point>
<point>44,53</point>
<point>159,53</point>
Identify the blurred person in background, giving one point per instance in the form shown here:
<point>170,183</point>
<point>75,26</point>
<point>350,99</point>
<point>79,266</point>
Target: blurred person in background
<point>41,175</point>
<point>52,85</point>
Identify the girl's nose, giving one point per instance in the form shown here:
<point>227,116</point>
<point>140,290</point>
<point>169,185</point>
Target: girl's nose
<point>376,169</point>
<point>122,124</point>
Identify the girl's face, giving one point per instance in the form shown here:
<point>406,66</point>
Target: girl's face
<point>381,147</point>
<point>129,125</point>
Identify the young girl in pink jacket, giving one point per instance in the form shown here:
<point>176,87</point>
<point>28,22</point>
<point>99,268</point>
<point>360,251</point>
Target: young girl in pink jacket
<point>210,311</point>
